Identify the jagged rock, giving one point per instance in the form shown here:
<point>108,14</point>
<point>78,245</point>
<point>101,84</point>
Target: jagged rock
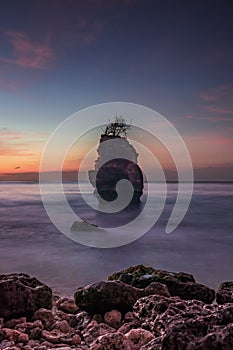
<point>46,316</point>
<point>22,295</point>
<point>126,327</point>
<point>63,316</point>
<point>32,329</point>
<point>67,305</point>
<point>138,337</point>
<point>178,323</point>
<point>129,317</point>
<point>8,344</point>
<point>113,318</point>
<point>98,318</point>
<point>102,297</point>
<point>94,330</point>
<point>82,320</point>
<point>63,326</point>
<point>157,288</point>
<point>141,276</point>
<point>57,337</point>
<point>12,334</point>
<point>225,293</point>
<point>15,321</point>
<point>116,341</point>
<point>220,338</point>
<point>179,284</point>
<point>2,323</point>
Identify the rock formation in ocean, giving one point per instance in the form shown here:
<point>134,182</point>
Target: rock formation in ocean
<point>117,160</point>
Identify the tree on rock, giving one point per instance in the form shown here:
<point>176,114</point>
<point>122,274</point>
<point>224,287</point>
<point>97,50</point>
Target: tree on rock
<point>117,128</point>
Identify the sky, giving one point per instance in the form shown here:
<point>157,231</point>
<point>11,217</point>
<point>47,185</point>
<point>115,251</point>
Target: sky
<point>58,57</point>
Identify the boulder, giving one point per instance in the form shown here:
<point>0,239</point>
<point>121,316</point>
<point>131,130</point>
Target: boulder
<point>22,295</point>
<point>57,337</point>
<point>95,330</point>
<point>67,305</point>
<point>101,297</point>
<point>138,337</point>
<point>225,293</point>
<point>14,335</point>
<point>116,341</point>
<point>178,283</point>
<point>46,317</point>
<point>141,276</point>
<point>220,338</point>
<point>82,319</point>
<point>113,318</point>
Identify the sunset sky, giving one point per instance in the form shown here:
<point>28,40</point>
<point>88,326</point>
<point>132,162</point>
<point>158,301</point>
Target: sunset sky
<point>57,57</point>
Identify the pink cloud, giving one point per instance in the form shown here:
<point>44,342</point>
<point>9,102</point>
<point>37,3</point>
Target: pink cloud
<point>26,53</point>
<point>211,119</point>
<point>16,143</point>
<point>8,134</point>
<point>218,100</point>
<point>217,93</point>
<point>219,110</point>
<point>10,152</point>
<point>220,54</point>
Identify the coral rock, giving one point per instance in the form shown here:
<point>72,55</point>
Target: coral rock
<point>113,318</point>
<point>22,295</point>
<point>225,293</point>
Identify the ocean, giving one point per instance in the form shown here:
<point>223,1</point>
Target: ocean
<point>201,245</point>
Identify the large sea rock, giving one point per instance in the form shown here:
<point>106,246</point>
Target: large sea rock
<point>179,284</point>
<point>117,160</point>
<point>22,295</point>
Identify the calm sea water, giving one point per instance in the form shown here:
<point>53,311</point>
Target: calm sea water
<point>30,243</point>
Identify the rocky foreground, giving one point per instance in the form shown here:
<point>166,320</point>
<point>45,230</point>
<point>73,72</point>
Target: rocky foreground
<point>138,308</point>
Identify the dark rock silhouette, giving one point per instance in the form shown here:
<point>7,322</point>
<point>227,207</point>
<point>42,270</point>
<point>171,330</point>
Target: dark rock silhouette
<point>225,293</point>
<point>117,160</point>
<point>22,295</point>
<point>104,296</point>
<point>179,284</point>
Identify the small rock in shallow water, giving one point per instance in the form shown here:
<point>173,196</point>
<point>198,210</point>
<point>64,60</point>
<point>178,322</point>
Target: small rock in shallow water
<point>85,226</point>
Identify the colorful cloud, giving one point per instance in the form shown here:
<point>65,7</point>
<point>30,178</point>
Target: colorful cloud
<point>26,53</point>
